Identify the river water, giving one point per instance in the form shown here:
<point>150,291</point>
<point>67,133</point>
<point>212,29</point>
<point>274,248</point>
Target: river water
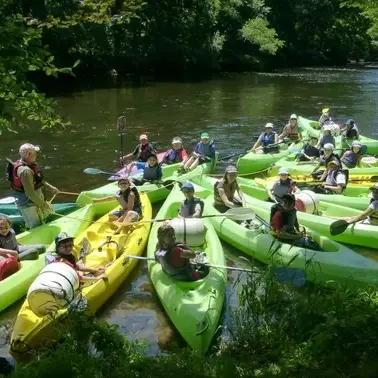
<point>230,107</point>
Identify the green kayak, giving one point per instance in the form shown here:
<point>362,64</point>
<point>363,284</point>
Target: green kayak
<point>257,188</point>
<point>254,162</point>
<point>155,192</point>
<point>11,210</point>
<point>193,307</point>
<point>16,286</point>
<point>337,263</point>
<point>313,129</point>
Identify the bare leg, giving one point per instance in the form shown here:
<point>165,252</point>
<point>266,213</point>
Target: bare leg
<point>130,217</point>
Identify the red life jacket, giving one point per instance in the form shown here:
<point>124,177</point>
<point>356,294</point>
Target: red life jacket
<point>8,266</point>
<point>16,183</point>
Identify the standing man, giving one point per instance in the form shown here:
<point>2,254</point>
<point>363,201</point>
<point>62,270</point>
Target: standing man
<point>28,185</point>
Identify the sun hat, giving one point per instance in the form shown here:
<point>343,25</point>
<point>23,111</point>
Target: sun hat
<point>143,136</point>
<point>283,171</point>
<point>269,125</point>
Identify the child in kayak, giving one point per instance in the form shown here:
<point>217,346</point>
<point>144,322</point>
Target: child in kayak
<point>352,157</point>
<point>350,130</point>
<point>225,190</point>
<point>177,154</point>
<point>370,215</point>
<point>285,226</point>
<point>326,156</point>
<point>309,151</point>
<point>204,151</point>
<point>10,246</point>
<point>284,185</point>
<point>267,139</point>
<point>63,253</point>
<point>152,171</point>
<point>141,152</point>
<point>336,178</point>
<point>191,207</point>
<point>174,257</point>
<point>291,130</point>
<point>129,200</point>
<point>327,137</point>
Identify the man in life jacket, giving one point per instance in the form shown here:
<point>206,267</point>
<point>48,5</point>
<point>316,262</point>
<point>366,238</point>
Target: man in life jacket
<point>174,256</point>
<point>267,139</point>
<point>177,154</point>
<point>336,178</point>
<point>352,157</point>
<point>141,153</point>
<point>370,215</point>
<point>27,182</point>
<point>64,245</point>
<point>284,185</point>
<point>191,207</point>
<point>350,130</point>
<point>291,130</point>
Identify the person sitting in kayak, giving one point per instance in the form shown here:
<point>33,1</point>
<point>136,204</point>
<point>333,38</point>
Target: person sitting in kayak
<point>191,207</point>
<point>285,226</point>
<point>309,151</point>
<point>324,117</point>
<point>326,138</point>
<point>350,130</point>
<point>326,156</point>
<point>284,185</point>
<point>152,172</point>
<point>142,151</point>
<point>177,154</point>
<point>10,246</point>
<point>64,244</point>
<point>266,140</point>
<point>174,256</point>
<point>129,200</point>
<point>291,130</point>
<point>370,215</point>
<point>352,157</point>
<point>336,178</point>
<point>203,152</point>
<point>225,190</point>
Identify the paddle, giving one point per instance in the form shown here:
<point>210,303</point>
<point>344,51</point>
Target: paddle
<point>295,276</point>
<point>95,171</point>
<point>69,193</point>
<point>7,200</point>
<point>121,125</point>
<point>340,226</point>
<point>236,213</point>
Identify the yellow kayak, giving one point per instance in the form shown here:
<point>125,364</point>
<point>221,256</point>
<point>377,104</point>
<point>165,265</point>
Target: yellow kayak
<point>31,331</point>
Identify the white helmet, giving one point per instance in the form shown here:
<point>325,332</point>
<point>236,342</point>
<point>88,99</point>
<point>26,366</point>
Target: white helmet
<point>329,146</point>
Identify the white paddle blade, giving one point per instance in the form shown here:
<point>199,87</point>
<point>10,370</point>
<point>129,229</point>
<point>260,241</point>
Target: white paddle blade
<point>240,214</point>
<point>7,200</point>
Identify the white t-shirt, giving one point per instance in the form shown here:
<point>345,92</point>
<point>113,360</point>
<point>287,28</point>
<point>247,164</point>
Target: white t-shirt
<point>341,179</point>
<point>373,218</point>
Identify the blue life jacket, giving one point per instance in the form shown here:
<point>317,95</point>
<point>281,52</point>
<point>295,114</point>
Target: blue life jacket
<point>152,173</point>
<point>267,139</point>
<point>351,159</point>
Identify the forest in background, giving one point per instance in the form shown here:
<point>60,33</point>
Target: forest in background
<point>93,38</point>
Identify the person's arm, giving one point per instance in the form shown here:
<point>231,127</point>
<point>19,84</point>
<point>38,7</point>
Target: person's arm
<point>224,198</point>
<point>296,190</point>
<point>359,160</point>
<point>241,196</point>
<point>102,276</point>
<point>346,153</point>
<point>50,187</point>
<point>83,268</point>
<point>131,154</point>
<point>198,210</point>
<point>361,216</point>
<point>5,252</point>
<point>103,199</point>
<point>187,253</point>
<point>276,139</point>
<point>212,150</point>
<point>340,181</point>
<point>130,201</point>
<point>27,179</point>
<point>271,193</point>
<point>284,133</point>
<point>257,144</point>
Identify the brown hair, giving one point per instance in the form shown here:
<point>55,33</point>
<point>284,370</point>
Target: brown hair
<point>5,218</point>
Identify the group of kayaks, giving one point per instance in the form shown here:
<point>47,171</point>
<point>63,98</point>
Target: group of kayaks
<point>193,307</point>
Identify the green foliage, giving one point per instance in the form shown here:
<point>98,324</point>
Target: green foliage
<point>275,332</point>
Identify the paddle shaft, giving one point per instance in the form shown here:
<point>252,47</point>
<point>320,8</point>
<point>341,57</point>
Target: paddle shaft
<point>69,193</point>
<point>121,124</point>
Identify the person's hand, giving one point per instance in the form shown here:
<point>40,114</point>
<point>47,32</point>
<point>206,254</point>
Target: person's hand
<point>301,229</point>
<point>54,190</point>
<point>13,253</point>
<point>100,270</point>
<point>103,277</point>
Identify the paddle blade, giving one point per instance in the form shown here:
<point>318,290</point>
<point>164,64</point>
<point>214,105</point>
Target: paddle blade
<point>121,124</point>
<point>95,171</point>
<point>7,200</point>
<point>293,276</point>
<point>240,214</point>
<point>338,227</point>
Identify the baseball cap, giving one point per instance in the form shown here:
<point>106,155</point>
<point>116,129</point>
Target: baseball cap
<point>176,140</point>
<point>293,116</point>
<point>283,171</point>
<point>205,136</point>
<point>61,237</point>
<point>269,124</point>
<point>187,185</point>
<point>329,146</point>
<point>350,122</point>
<point>28,146</point>
<point>356,143</point>
<point>231,169</point>
<point>143,136</point>
<point>374,187</point>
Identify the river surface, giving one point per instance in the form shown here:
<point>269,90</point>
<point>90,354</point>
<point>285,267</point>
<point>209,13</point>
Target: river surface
<point>232,108</point>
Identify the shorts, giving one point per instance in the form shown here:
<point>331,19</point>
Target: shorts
<point>119,213</point>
